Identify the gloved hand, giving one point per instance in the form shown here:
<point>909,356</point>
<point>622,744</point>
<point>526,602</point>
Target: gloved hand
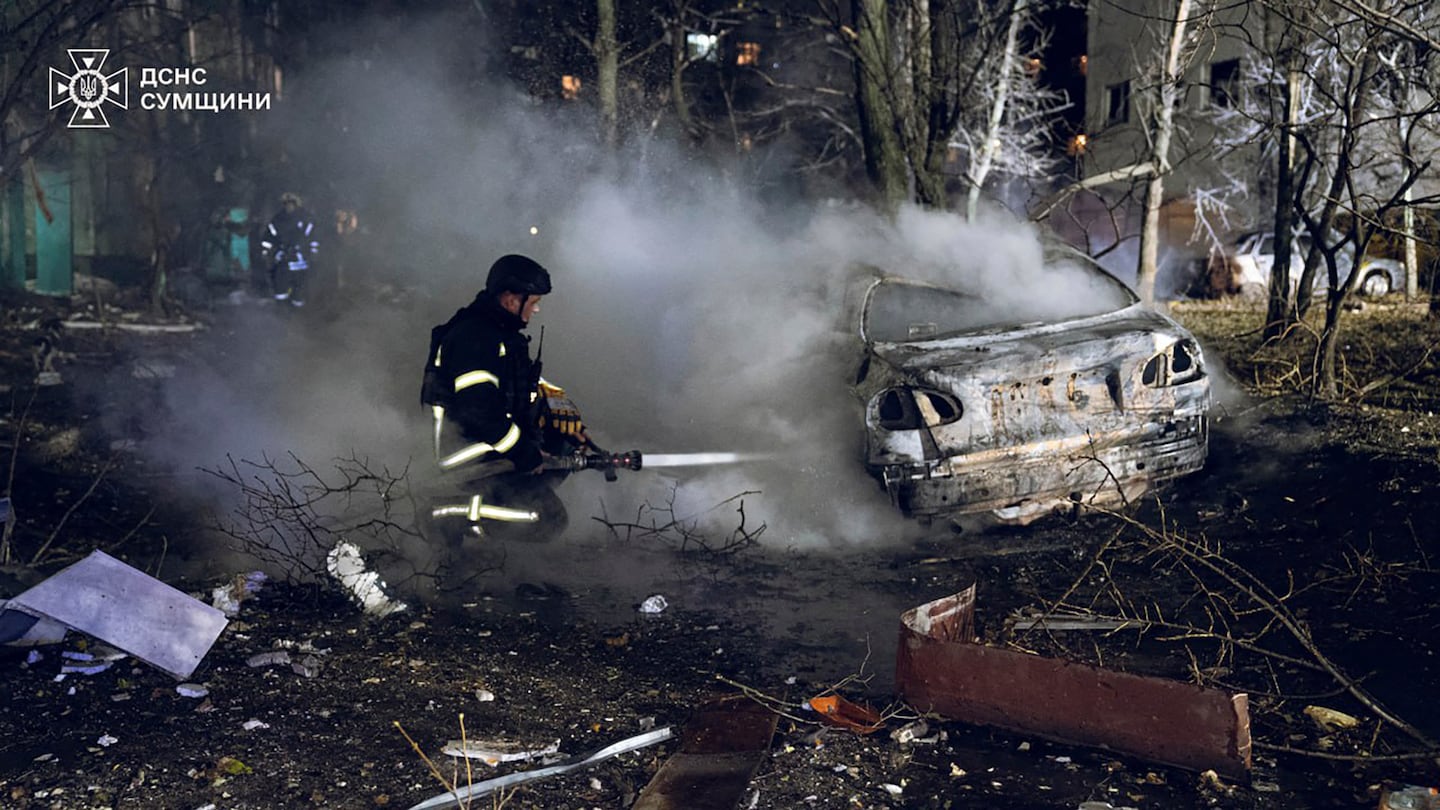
<point>560,413</point>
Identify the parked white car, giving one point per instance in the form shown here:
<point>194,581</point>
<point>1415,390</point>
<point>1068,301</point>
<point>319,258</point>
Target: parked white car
<point>1245,268</point>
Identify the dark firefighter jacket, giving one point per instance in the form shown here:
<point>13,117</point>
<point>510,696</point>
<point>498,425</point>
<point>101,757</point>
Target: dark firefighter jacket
<point>486,389</point>
<point>291,238</point>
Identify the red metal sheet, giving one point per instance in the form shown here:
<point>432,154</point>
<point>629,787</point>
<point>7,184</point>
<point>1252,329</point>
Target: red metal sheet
<point>940,667</point>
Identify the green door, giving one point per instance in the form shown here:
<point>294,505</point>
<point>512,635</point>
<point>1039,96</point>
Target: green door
<point>53,259</point>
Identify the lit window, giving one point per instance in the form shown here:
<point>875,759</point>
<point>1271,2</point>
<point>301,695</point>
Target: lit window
<point>569,87</point>
<point>1077,145</point>
<point>1225,83</point>
<point>701,47</point>
<point>1033,66</point>
<point>1082,65</point>
<point>747,53</point>
<point>1117,103</point>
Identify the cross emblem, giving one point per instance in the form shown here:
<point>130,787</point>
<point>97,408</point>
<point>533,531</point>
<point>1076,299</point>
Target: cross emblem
<point>88,88</point>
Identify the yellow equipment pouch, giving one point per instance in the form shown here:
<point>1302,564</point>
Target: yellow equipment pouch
<point>559,413</point>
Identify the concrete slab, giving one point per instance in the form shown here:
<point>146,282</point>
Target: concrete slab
<point>103,597</point>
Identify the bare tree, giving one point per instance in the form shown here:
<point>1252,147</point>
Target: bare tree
<point>611,57</point>
<point>1163,128</point>
<point>1013,138</point>
<point>937,79</point>
<point>1353,135</point>
<point>1141,128</point>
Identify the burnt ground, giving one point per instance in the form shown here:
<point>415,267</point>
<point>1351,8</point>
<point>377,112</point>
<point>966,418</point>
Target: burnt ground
<point>1321,513</point>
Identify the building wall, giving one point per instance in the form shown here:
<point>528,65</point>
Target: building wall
<point>1127,39</point>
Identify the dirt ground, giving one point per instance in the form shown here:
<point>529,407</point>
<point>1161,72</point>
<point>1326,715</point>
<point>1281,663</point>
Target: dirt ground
<point>1318,511</point>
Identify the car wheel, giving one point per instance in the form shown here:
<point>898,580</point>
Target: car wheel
<point>1375,285</point>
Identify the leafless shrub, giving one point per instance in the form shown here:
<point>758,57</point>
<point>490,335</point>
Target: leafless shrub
<point>290,514</point>
<point>662,525</point>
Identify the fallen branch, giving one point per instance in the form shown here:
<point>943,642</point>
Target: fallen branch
<point>1194,556</point>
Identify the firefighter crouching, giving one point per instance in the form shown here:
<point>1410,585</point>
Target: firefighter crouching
<point>495,420</point>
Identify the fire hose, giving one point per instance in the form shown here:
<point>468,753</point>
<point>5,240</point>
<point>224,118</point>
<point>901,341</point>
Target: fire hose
<point>598,459</point>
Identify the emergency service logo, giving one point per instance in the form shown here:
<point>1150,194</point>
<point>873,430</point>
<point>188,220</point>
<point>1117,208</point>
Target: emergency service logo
<point>89,89</point>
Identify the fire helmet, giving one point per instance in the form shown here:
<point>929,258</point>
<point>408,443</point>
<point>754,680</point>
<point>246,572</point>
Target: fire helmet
<point>517,274</point>
<point>290,197</point>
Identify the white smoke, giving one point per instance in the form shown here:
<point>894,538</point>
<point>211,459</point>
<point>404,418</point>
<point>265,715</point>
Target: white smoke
<point>689,313</point>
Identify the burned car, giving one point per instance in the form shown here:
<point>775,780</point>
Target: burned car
<point>1072,393</point>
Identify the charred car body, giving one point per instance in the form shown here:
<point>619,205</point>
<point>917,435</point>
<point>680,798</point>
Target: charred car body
<point>1017,408</point>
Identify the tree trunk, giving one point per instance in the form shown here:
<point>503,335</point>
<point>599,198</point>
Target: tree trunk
<point>1164,128</point>
<point>1411,257</point>
<point>991,145</point>
<point>1325,385</point>
<point>923,105</point>
<point>1357,95</point>
<point>607,69</point>
<point>1280,313</point>
<point>679,58</point>
<point>884,156</point>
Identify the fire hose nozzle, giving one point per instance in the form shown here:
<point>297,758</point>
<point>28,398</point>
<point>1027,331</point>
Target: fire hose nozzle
<point>629,460</point>
<point>607,463</point>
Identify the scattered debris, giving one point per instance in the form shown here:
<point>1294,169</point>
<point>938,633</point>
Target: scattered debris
<point>307,667</point>
<point>306,646</point>
<point>1412,797</point>
<point>192,690</point>
<point>252,724</point>
<point>140,328</point>
<point>268,659</point>
<point>90,663</point>
<point>111,601</point>
<point>152,370</point>
<point>484,695</point>
<point>1060,621</point>
<point>227,598</point>
<point>345,563</point>
<point>62,444</point>
<point>1329,719</point>
<point>720,749</point>
<point>914,732</point>
<point>106,741</point>
<point>654,604</point>
<point>941,667</point>
<point>19,629</point>
<point>837,711</point>
<point>461,795</point>
<point>494,752</point>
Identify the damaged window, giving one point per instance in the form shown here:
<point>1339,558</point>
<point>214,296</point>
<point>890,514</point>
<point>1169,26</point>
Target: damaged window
<point>899,310</point>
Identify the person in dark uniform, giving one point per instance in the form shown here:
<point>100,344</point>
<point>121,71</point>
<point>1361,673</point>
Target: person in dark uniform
<point>290,243</point>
